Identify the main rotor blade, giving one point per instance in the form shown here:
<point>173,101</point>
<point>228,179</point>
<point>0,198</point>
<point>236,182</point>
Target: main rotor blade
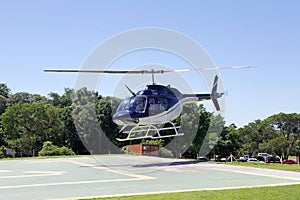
<point>132,92</point>
<point>209,68</point>
<point>150,71</point>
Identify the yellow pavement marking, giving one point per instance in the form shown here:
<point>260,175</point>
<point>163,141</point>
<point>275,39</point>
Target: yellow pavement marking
<point>138,176</point>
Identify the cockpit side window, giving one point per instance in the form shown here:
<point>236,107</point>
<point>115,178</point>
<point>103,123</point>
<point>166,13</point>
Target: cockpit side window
<point>152,104</point>
<point>163,104</point>
<point>139,104</point>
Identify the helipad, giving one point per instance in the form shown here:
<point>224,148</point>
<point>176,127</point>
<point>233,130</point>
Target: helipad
<point>119,175</point>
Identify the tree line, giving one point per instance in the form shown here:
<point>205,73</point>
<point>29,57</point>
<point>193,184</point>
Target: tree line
<point>82,121</point>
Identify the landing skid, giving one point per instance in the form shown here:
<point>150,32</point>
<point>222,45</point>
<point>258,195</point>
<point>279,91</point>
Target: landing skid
<point>149,132</point>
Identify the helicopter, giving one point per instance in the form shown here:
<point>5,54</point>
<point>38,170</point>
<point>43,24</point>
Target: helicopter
<point>145,114</point>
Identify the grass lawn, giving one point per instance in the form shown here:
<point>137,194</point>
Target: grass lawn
<point>263,193</point>
<point>278,166</point>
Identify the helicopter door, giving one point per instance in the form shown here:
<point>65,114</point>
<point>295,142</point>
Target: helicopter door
<point>153,106</point>
<point>139,104</point>
<point>157,105</point>
<point>163,104</point>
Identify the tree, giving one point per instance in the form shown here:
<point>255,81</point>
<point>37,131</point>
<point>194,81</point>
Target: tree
<point>4,95</point>
<point>55,98</point>
<point>212,133</point>
<point>296,148</point>
<point>3,104</point>
<point>4,90</point>
<point>84,112</point>
<point>104,108</point>
<point>288,127</point>
<point>71,138</point>
<point>255,137</point>
<point>229,142</point>
<point>20,97</point>
<point>278,146</point>
<point>26,126</point>
<point>194,122</point>
<point>62,101</point>
<point>36,98</point>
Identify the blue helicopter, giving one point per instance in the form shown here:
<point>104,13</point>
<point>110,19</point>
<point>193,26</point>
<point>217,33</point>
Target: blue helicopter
<point>146,112</point>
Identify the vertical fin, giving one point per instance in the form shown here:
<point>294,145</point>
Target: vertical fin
<point>215,95</point>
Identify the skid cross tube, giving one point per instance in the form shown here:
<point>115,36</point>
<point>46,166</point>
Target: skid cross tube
<point>147,129</point>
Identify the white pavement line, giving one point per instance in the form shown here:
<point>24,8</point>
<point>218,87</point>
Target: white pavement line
<point>175,191</point>
<point>34,174</point>
<point>5,171</point>
<point>65,183</point>
<point>138,176</point>
<point>257,174</point>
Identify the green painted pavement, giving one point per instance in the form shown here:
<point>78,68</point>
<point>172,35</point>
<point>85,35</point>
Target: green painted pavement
<point>97,176</point>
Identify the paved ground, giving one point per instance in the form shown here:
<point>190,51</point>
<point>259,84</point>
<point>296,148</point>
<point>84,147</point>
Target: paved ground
<point>100,176</point>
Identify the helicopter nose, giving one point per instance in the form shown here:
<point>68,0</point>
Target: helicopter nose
<point>122,118</point>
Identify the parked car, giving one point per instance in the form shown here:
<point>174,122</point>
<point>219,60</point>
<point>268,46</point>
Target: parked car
<point>187,155</point>
<point>262,154</point>
<point>242,159</point>
<point>273,159</point>
<point>261,158</point>
<point>267,158</point>
<point>202,159</point>
<point>289,161</point>
<point>253,160</point>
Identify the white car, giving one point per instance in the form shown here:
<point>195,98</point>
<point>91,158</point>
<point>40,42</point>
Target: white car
<point>252,160</point>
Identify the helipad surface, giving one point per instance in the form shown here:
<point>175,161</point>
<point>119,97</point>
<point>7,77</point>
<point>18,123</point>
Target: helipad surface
<point>117,175</point>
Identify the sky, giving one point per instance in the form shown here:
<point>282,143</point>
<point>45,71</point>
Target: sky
<point>61,34</point>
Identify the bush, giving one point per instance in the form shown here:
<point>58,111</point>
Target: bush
<point>125,150</point>
<point>66,151</point>
<point>2,151</point>
<point>52,150</point>
<point>165,153</point>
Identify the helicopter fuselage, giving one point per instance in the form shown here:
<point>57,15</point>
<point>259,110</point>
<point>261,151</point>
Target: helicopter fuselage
<point>157,104</point>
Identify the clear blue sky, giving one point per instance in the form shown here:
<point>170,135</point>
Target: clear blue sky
<point>61,34</point>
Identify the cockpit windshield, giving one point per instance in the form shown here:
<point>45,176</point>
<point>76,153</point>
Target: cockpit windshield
<point>137,104</point>
<point>124,105</point>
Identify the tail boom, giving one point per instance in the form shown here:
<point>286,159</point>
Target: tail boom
<point>214,95</point>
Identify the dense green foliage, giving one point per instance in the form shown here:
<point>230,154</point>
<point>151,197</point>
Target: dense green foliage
<point>279,134</point>
<point>31,119</point>
<point>52,150</point>
<point>82,121</point>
